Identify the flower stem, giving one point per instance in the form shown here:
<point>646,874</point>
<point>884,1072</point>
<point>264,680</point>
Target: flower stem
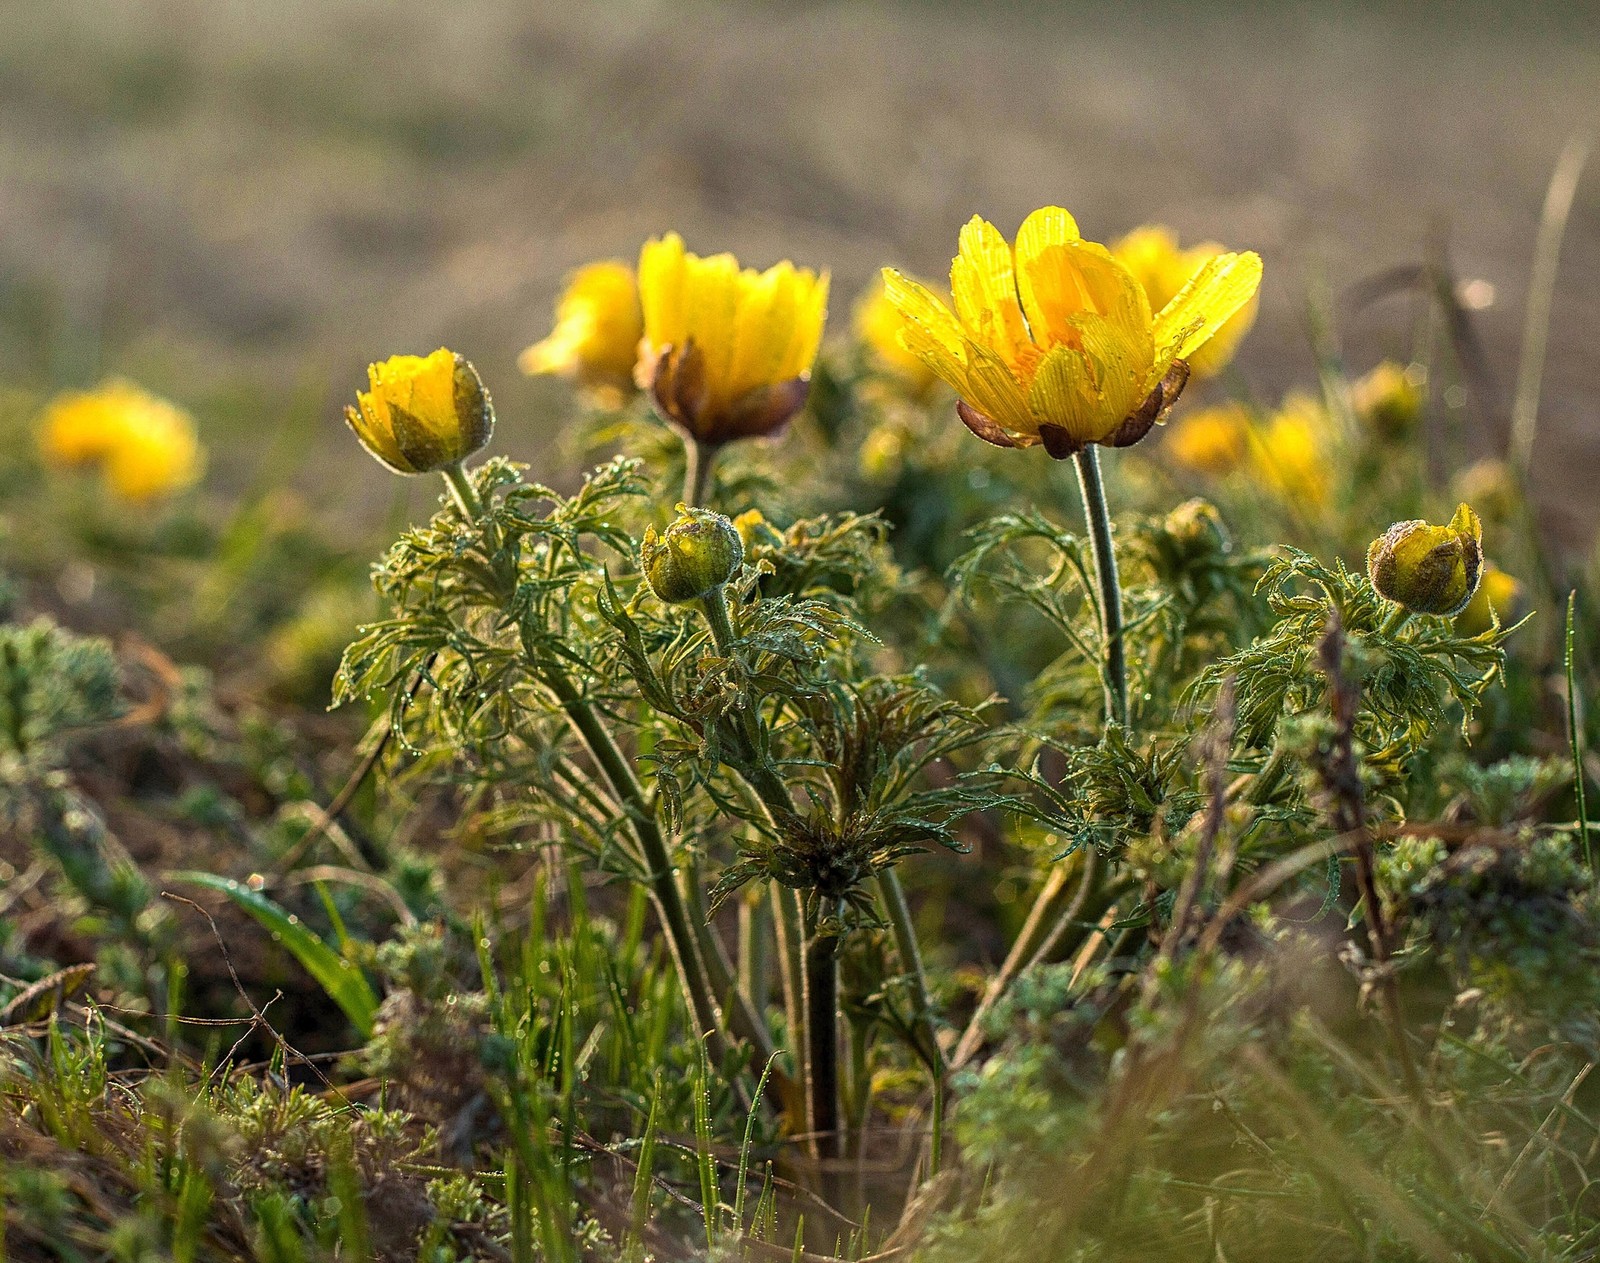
<point>1101,550</point>
<point>905,943</point>
<point>822,1054</point>
<point>463,492</point>
<point>697,461</point>
<point>1394,620</point>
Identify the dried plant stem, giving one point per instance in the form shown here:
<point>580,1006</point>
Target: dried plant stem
<point>1114,667</point>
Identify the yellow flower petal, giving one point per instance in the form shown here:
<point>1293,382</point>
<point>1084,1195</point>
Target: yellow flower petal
<point>1217,291</point>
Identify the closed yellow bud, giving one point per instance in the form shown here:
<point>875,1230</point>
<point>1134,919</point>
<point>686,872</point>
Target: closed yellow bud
<point>727,351</point>
<point>1429,569</point>
<point>700,551</point>
<point>1491,486</point>
<point>423,413</point>
<point>598,324</point>
<point>1153,256</point>
<point>145,447</point>
<point>1390,398</point>
<point>1196,528</point>
<point>1497,597</point>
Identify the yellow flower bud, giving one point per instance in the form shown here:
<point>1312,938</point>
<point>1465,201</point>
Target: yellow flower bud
<point>1429,569</point>
<point>146,447</point>
<point>1213,441</point>
<point>727,352</point>
<point>423,413</point>
<point>1153,256</point>
<point>1196,528</point>
<point>598,324</point>
<point>1497,597</point>
<point>700,551</point>
<point>1390,398</point>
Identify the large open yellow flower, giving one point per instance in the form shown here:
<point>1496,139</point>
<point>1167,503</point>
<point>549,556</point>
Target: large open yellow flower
<point>146,447</point>
<point>1053,342</point>
<point>1157,262</point>
<point>422,413</point>
<point>727,352</point>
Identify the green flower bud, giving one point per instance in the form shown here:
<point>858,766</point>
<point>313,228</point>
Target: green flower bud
<point>1196,528</point>
<point>1429,569</point>
<point>1390,399</point>
<point>699,552</point>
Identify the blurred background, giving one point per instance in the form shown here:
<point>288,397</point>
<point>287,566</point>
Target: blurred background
<point>241,203</point>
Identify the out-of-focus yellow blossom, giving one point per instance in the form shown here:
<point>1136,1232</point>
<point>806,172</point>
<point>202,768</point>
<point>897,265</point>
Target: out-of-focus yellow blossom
<point>1153,256</point>
<point>1429,569</point>
<point>598,324</point>
<point>423,413</point>
<point>754,529</point>
<point>877,323</point>
<point>1053,342</point>
<point>1389,399</point>
<point>146,447</point>
<point>1213,440</point>
<point>727,352</point>
<point>883,451</point>
<point>1498,593</point>
<point>1289,453</point>
<point>1491,486</point>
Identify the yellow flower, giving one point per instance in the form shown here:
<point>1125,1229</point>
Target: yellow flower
<point>1491,485</point>
<point>1153,256</point>
<point>1429,569</point>
<point>423,413</point>
<point>146,447</point>
<point>1053,342</point>
<point>877,326</point>
<point>1389,399</point>
<point>1289,453</point>
<point>1213,441</point>
<point>598,324</point>
<point>1497,597</point>
<point>727,352</point>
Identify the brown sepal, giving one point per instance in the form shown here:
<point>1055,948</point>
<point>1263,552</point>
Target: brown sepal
<point>760,412</point>
<point>1058,442</point>
<point>1156,406</point>
<point>984,426</point>
<point>676,380</point>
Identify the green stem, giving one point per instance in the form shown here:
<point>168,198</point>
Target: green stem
<point>786,924</point>
<point>697,462</point>
<point>1103,553</point>
<point>463,492</point>
<point>1393,621</point>
<point>822,1053</point>
<point>905,943</point>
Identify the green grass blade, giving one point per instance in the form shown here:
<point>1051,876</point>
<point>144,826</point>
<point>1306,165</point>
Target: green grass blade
<point>343,982</point>
<point>1575,733</point>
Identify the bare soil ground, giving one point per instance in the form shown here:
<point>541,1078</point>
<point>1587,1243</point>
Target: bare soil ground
<point>223,194</point>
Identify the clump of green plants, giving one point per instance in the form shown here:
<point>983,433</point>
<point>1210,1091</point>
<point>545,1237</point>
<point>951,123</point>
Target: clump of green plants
<point>869,842</point>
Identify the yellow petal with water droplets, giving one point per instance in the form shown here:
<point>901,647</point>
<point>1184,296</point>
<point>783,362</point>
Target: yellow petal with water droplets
<point>930,330</point>
<point>661,290</point>
<point>993,389</point>
<point>984,286</point>
<point>1063,394</point>
<point>1204,305</point>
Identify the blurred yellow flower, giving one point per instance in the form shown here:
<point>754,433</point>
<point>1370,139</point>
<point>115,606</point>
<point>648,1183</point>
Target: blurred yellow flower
<point>1053,342</point>
<point>1152,255</point>
<point>1429,569</point>
<point>146,447</point>
<point>727,352</point>
<point>422,413</point>
<point>1491,485</point>
<point>598,324</point>
<point>877,325</point>
<point>1289,454</point>
<point>1213,441</point>
<point>1390,398</point>
<point>1498,595</point>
